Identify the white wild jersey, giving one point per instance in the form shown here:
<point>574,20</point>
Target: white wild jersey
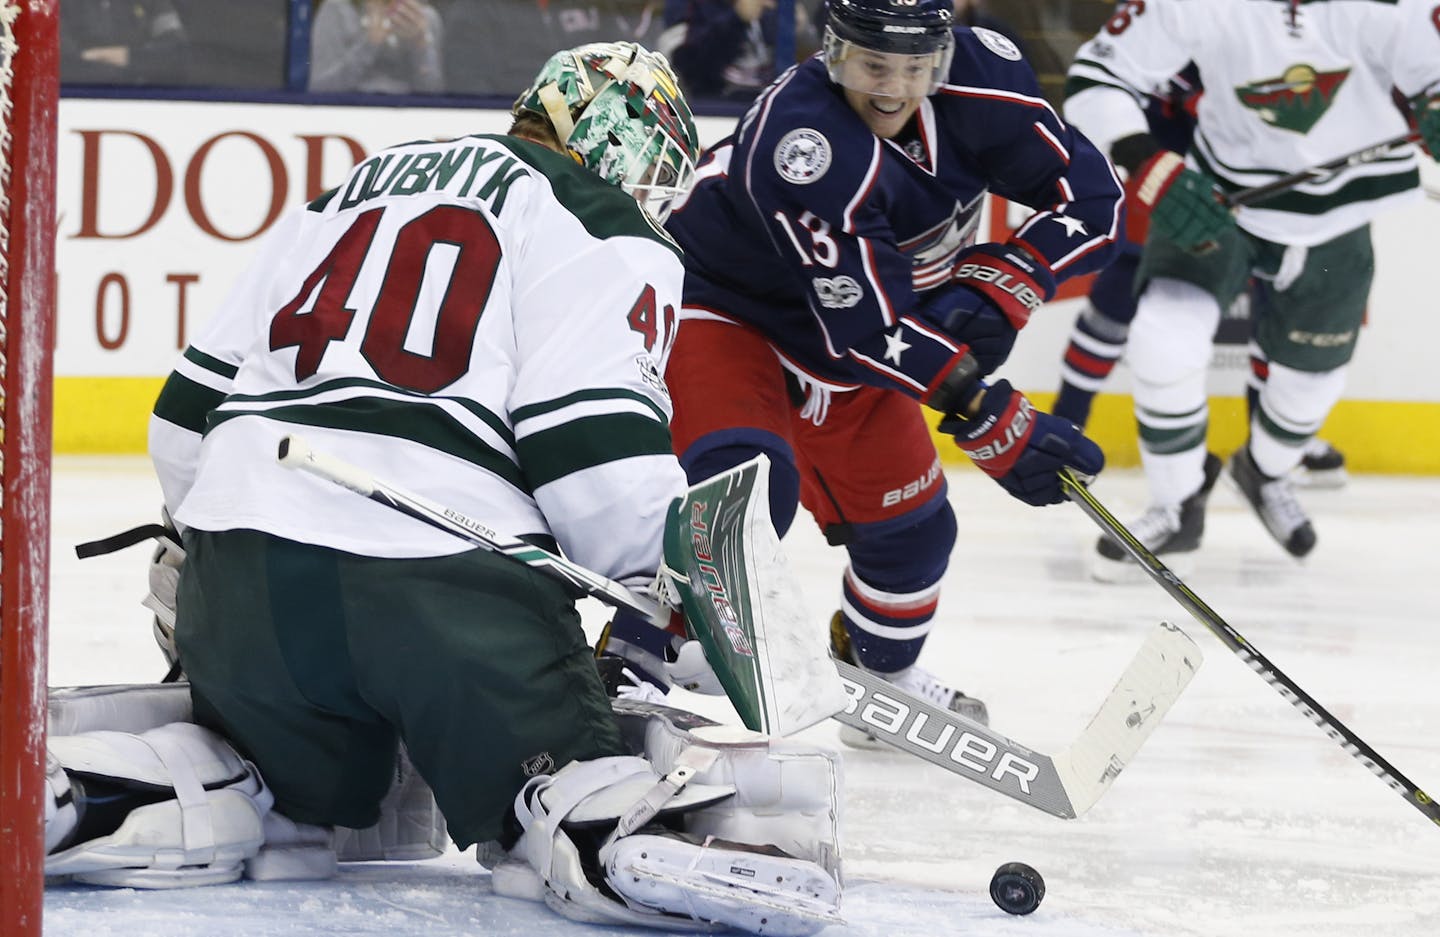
<point>1287,86</point>
<point>482,322</point>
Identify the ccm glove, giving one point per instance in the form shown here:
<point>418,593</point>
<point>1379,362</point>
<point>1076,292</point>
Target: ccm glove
<point>1427,120</point>
<point>1022,448</point>
<point>1006,277</point>
<point>1182,205</point>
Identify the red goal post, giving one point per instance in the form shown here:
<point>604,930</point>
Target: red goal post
<point>29,91</point>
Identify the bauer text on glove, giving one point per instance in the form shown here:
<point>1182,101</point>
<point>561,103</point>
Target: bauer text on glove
<point>1020,447</point>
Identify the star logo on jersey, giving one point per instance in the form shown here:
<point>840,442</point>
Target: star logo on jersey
<point>1294,101</point>
<point>895,345</point>
<point>1072,226</point>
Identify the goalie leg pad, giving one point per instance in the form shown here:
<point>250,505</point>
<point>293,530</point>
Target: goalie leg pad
<point>586,795</point>
<point>751,888</point>
<point>410,825</point>
<point>787,791</point>
<point>60,814</point>
<point>200,834</point>
<point>132,707</point>
<point>765,860</point>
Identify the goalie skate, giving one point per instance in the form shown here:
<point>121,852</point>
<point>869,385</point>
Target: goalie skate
<point>753,888</point>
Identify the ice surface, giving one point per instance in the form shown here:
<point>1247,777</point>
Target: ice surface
<point>1238,819</point>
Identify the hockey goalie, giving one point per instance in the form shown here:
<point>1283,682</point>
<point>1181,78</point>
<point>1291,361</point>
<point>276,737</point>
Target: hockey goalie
<point>705,827</point>
<point>487,317</point>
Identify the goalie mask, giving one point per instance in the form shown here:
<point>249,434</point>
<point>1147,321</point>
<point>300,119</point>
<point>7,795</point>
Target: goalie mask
<point>617,109</point>
<point>889,48</point>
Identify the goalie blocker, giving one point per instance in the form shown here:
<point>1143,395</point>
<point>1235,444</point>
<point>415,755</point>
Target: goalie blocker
<point>703,827</point>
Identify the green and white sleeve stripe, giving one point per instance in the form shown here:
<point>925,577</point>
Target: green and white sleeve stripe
<point>569,434</point>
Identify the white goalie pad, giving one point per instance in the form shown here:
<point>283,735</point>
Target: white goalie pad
<point>410,825</point>
<point>765,859</point>
<point>199,836</point>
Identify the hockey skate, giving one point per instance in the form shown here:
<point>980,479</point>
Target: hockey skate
<point>1322,466</point>
<point>1163,529</point>
<point>1274,502</point>
<point>913,679</point>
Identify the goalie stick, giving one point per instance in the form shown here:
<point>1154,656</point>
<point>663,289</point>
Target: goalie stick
<point>1247,652</point>
<point>746,660</point>
<point>1065,785</point>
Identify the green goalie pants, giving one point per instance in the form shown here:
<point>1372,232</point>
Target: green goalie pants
<point>315,663</point>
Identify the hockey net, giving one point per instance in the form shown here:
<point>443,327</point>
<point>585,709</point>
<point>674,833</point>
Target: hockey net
<point>29,82</point>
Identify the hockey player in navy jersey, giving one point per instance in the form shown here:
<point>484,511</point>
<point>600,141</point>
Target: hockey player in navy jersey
<point>833,281</point>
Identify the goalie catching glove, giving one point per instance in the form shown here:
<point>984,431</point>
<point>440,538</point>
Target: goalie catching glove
<point>1020,447</point>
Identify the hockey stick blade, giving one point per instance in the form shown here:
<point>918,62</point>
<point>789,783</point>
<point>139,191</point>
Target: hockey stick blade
<point>1064,785</point>
<point>1247,652</point>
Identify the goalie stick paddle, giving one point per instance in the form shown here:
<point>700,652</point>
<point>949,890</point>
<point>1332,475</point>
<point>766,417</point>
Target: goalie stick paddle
<point>1076,491</point>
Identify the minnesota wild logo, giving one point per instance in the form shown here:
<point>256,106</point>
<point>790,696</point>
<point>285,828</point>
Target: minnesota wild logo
<point>1294,101</point>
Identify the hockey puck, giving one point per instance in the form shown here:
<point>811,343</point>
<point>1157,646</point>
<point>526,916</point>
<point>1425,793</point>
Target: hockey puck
<point>1016,888</point>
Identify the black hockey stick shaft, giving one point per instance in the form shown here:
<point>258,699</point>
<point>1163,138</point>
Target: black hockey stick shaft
<point>1368,154</point>
<point>1256,661</point>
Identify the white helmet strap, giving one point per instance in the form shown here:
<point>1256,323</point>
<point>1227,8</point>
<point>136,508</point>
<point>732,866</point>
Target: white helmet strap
<point>557,111</point>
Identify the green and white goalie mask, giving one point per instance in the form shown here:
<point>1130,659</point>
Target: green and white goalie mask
<point>617,109</point>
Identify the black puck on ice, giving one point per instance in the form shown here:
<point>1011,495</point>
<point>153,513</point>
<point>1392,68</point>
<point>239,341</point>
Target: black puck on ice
<point>1016,888</point>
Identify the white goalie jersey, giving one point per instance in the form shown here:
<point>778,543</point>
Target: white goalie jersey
<point>1288,85</point>
<point>481,321</point>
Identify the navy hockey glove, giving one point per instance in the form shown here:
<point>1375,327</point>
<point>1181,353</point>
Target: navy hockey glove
<point>633,651</point>
<point>1022,448</point>
<point>966,316</point>
<point>1007,277</point>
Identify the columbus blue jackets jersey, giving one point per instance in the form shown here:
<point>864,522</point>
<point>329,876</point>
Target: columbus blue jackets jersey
<point>829,239</point>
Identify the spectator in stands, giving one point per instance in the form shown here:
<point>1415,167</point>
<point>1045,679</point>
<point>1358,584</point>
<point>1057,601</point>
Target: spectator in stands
<point>382,46</point>
<point>531,30</point>
<point>726,48</point>
<point>123,42</point>
<point>235,45</point>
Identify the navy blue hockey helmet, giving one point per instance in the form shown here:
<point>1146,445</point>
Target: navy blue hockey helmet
<point>906,27</point>
<point>889,48</point>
